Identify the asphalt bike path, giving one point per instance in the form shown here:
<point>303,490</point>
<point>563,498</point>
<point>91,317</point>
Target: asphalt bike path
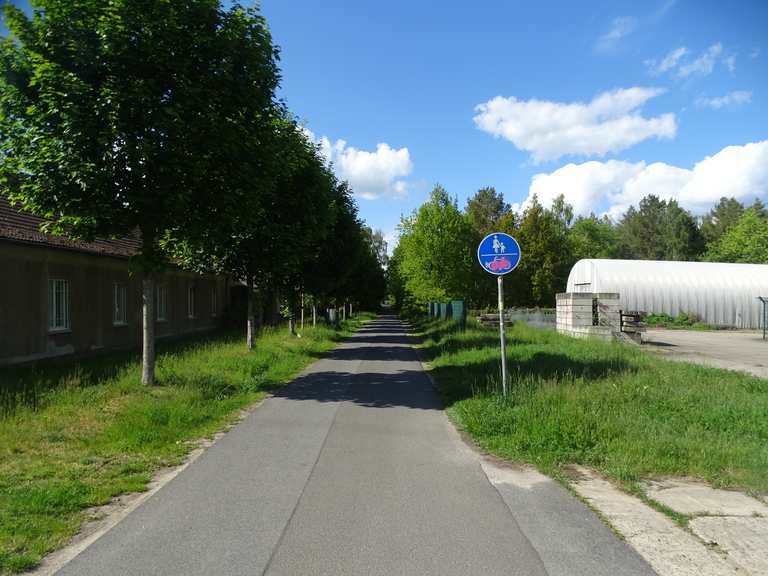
<point>354,469</point>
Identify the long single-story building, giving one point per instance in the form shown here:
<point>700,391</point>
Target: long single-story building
<point>61,297</point>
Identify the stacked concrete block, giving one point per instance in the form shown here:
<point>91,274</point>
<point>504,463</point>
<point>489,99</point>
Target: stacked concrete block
<point>585,314</point>
<point>609,312</point>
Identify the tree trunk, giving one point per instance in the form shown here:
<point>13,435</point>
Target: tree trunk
<point>350,310</point>
<point>250,327</point>
<point>302,312</point>
<point>148,327</point>
<point>344,311</point>
<point>314,315</point>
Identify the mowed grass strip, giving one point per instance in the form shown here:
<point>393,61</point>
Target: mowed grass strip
<point>611,406</point>
<point>97,432</point>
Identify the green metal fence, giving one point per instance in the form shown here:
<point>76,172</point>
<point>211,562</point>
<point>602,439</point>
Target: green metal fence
<point>453,310</point>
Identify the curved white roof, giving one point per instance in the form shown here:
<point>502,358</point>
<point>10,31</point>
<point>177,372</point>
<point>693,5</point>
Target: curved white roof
<point>718,293</point>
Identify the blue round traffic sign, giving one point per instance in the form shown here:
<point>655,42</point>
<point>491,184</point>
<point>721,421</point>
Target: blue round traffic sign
<point>498,253</point>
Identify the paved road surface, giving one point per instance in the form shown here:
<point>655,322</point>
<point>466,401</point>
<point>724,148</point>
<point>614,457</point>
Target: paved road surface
<point>353,469</point>
<point>730,349</point>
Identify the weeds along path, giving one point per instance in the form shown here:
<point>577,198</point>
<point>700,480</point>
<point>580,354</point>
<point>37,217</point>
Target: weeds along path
<point>353,468</point>
<point>76,433</point>
<point>629,414</point>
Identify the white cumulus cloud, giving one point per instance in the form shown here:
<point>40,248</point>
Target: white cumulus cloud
<point>613,186</point>
<point>371,174</point>
<point>735,97</point>
<point>611,122</point>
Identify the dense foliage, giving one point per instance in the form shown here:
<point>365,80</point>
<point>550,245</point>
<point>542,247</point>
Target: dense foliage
<point>160,119</point>
<point>435,258</point>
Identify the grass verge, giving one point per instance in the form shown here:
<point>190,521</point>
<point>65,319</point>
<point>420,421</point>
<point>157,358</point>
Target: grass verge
<point>610,406</point>
<point>95,432</point>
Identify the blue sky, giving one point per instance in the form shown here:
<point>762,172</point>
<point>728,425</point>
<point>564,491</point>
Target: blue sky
<point>604,102</point>
<point>411,75</point>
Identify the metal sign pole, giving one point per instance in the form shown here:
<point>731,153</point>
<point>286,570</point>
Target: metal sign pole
<point>499,253</point>
<point>502,337</point>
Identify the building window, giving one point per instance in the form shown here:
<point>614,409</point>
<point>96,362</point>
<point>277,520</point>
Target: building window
<point>162,303</point>
<point>119,302</point>
<point>191,302</point>
<point>214,302</point>
<point>58,304</point>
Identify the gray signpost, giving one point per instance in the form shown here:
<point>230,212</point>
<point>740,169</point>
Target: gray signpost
<point>499,254</point>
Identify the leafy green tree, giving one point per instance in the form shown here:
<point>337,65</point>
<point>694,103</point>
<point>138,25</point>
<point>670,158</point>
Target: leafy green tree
<point>546,254</point>
<point>301,211</point>
<point>681,237</point>
<point>367,285</point>
<point>484,212</point>
<point>436,250</point>
<point>659,230</point>
<point>125,116</point>
<point>640,230</point>
<point>378,244</point>
<point>330,275</point>
<point>746,241</point>
<point>485,209</point>
<point>395,281</point>
<point>593,237</point>
<point>759,207</point>
<point>273,223</point>
<point>720,219</point>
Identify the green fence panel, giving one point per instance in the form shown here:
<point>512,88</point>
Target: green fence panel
<point>459,311</point>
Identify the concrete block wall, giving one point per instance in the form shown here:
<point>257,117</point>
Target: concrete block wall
<point>586,314</point>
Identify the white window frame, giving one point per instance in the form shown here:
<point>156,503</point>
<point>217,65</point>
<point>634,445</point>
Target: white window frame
<point>214,301</point>
<point>119,304</point>
<point>58,308</point>
<point>191,304</point>
<point>161,304</point>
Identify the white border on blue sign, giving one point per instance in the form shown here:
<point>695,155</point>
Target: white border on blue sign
<point>520,252</point>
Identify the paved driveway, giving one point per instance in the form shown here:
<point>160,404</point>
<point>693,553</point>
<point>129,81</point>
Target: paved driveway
<point>354,469</point>
<point>734,350</point>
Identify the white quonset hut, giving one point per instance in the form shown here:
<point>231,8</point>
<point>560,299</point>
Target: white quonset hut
<point>717,293</point>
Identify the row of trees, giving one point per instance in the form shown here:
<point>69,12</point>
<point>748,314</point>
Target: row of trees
<point>435,259</point>
<point>161,118</point>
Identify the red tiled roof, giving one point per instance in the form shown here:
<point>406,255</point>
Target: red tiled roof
<point>19,226</point>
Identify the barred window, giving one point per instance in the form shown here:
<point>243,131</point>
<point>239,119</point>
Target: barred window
<point>191,310</point>
<point>58,304</point>
<point>120,301</point>
<point>162,303</point>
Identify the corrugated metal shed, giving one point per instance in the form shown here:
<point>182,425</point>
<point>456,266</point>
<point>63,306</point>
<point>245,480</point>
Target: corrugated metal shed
<point>717,293</point>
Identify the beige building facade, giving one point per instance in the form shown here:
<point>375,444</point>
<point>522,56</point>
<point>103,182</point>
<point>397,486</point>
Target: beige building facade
<point>59,297</point>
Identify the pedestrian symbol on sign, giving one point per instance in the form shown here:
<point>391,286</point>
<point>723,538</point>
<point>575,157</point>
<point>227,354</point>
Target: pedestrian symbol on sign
<point>498,253</point>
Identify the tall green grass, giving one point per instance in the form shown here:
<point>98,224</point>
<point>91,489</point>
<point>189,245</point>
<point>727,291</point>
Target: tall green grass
<point>94,431</point>
<point>607,405</point>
